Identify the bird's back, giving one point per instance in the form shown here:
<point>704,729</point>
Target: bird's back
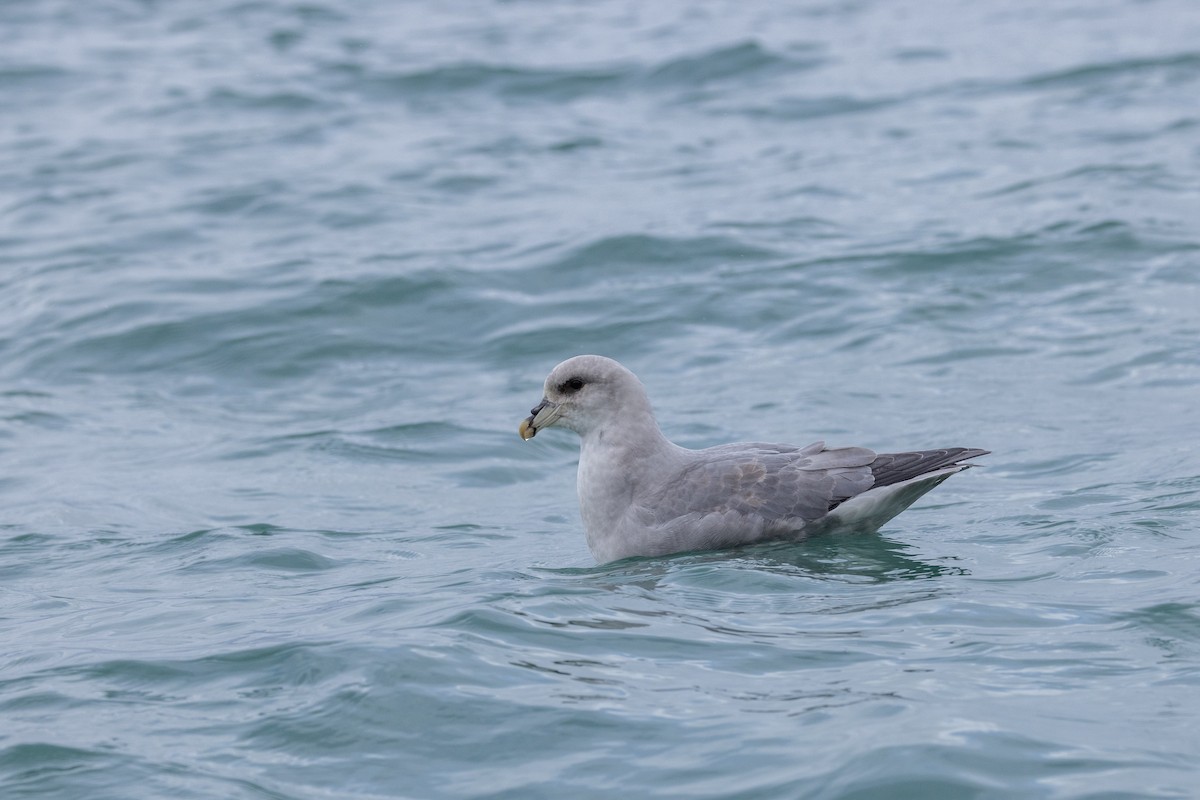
<point>743,493</point>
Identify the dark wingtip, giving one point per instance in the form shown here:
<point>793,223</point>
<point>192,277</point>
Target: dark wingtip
<point>889,468</point>
<point>966,455</point>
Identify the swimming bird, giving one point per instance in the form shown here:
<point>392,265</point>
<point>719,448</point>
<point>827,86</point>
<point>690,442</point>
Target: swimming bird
<point>641,495</point>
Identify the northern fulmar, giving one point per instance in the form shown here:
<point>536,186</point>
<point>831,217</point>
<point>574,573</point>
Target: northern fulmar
<point>641,495</point>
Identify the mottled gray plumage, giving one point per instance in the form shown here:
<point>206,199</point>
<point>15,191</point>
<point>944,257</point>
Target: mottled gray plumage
<point>639,494</point>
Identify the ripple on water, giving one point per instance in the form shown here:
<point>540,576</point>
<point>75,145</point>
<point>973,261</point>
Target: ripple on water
<point>278,280</point>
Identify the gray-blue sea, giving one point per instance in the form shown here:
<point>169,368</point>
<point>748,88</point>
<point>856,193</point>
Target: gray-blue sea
<point>278,280</point>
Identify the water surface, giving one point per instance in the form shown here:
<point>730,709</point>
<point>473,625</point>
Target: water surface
<point>278,280</point>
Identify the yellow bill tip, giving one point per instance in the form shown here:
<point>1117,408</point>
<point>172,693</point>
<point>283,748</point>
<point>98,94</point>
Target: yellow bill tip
<point>526,430</point>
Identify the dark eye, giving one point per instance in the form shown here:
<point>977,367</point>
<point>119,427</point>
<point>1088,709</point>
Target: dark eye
<point>572,385</point>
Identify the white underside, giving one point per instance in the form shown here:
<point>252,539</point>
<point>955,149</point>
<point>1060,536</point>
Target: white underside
<point>869,511</point>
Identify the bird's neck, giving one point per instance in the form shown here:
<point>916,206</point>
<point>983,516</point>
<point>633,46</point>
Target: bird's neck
<point>612,461</point>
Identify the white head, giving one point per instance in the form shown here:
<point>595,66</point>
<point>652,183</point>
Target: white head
<point>587,393</point>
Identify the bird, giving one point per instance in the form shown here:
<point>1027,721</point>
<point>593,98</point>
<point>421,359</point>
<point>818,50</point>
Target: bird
<point>642,495</point>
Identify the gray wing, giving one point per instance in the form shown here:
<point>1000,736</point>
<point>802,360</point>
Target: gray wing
<point>745,492</point>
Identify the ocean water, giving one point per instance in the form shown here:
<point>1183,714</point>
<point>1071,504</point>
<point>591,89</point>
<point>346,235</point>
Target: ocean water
<point>279,279</point>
